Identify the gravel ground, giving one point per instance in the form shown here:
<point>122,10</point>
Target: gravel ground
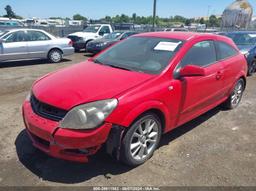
<point>216,149</point>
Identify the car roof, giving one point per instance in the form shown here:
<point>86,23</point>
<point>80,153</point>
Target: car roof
<point>240,32</point>
<point>184,36</point>
<point>24,29</point>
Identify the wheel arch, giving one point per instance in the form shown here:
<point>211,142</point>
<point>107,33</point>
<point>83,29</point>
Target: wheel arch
<point>54,48</point>
<point>155,107</point>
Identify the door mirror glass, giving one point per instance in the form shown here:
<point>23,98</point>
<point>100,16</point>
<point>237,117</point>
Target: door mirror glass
<point>192,70</point>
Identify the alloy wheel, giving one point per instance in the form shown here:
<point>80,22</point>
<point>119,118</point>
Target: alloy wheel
<point>237,93</point>
<point>144,139</point>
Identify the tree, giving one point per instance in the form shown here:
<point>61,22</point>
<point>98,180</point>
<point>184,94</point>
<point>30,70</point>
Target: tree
<point>201,21</point>
<point>9,12</point>
<point>79,17</point>
<point>188,22</point>
<point>213,21</point>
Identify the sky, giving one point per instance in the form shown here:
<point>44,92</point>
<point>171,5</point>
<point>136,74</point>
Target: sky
<point>95,9</point>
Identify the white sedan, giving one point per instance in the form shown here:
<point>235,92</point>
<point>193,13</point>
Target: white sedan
<point>20,44</point>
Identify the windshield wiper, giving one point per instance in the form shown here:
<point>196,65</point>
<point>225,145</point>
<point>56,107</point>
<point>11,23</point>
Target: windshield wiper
<point>98,62</point>
<point>119,67</point>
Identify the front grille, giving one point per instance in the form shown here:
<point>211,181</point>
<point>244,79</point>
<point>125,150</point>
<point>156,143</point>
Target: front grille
<point>47,111</point>
<point>41,141</point>
<point>74,38</point>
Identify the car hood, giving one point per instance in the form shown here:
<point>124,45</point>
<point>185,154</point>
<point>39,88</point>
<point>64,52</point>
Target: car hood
<point>83,34</point>
<point>85,82</point>
<point>102,40</point>
<point>245,48</point>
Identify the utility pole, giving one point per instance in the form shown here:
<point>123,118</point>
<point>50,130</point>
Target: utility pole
<point>154,15</point>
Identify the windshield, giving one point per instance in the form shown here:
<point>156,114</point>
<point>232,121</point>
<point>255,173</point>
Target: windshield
<point>142,54</point>
<point>2,33</point>
<point>243,39</point>
<point>92,29</point>
<point>113,35</point>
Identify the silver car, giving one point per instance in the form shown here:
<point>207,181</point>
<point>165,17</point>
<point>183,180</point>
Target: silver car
<point>19,44</point>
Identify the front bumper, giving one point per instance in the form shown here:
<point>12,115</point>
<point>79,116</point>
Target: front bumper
<point>72,145</point>
<point>79,45</point>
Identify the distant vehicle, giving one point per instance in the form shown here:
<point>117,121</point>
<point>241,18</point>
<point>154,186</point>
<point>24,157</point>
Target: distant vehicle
<point>92,32</point>
<point>17,44</point>
<point>176,30</point>
<point>246,42</point>
<point>13,23</point>
<point>98,45</point>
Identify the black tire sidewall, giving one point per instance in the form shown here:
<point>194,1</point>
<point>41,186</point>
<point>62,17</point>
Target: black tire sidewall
<point>125,149</point>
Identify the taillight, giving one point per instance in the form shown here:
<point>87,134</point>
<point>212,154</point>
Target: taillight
<point>70,43</point>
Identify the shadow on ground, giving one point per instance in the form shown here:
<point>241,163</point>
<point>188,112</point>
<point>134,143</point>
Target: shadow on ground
<point>60,171</point>
<point>27,63</point>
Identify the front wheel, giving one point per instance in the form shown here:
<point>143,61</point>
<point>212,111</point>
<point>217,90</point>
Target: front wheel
<point>141,140</point>
<point>236,95</point>
<point>252,68</point>
<point>55,56</point>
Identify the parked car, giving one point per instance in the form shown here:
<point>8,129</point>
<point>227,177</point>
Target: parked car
<point>19,44</point>
<point>12,23</point>
<point>92,32</point>
<point>246,42</point>
<point>98,45</point>
<point>176,30</point>
<point>129,95</point>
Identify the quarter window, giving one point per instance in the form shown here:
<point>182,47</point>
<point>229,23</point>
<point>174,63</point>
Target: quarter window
<point>225,50</point>
<point>37,36</point>
<point>201,54</point>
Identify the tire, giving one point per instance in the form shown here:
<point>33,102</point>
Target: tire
<point>252,68</point>
<point>236,95</point>
<point>55,56</point>
<point>144,136</point>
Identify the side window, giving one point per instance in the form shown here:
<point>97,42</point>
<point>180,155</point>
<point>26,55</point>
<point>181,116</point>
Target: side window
<point>104,30</point>
<point>18,36</point>
<point>225,50</point>
<point>201,54</point>
<point>37,36</point>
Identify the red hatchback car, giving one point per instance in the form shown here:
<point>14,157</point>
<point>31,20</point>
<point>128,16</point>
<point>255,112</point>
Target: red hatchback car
<point>129,95</point>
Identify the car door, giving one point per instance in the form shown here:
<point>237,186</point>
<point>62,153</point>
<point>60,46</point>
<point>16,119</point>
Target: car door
<point>200,93</point>
<point>231,61</point>
<point>14,46</point>
<point>38,44</point>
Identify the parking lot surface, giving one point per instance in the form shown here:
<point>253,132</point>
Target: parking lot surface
<point>216,149</point>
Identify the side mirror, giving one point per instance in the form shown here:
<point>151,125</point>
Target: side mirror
<point>192,70</point>
<point>2,41</point>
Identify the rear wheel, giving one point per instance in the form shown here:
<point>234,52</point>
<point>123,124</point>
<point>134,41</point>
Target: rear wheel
<point>55,56</point>
<point>236,95</point>
<point>141,140</point>
<point>252,68</point>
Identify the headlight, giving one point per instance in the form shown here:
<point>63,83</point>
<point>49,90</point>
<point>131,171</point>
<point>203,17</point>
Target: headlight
<point>101,44</point>
<point>88,116</point>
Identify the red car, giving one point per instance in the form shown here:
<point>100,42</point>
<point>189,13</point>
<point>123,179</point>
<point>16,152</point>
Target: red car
<point>126,97</point>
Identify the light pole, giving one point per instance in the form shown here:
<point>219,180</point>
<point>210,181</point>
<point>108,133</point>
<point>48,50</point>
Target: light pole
<point>154,15</point>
